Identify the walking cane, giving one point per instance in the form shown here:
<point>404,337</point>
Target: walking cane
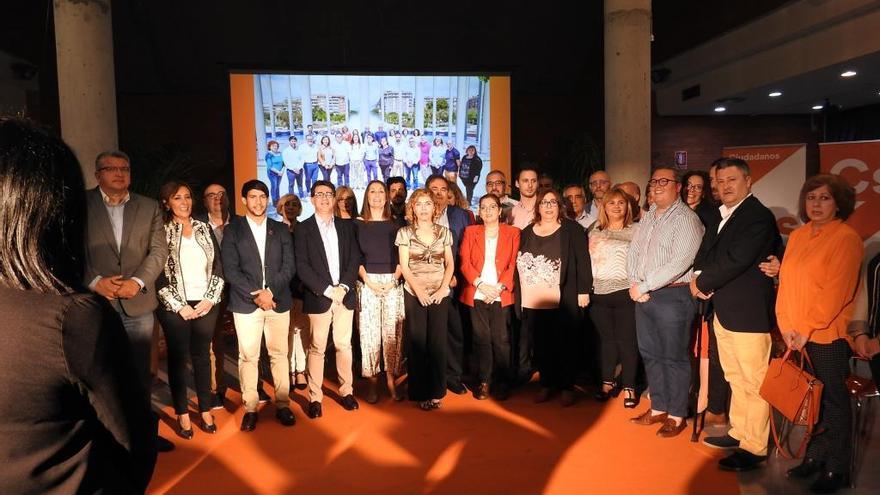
<point>699,416</point>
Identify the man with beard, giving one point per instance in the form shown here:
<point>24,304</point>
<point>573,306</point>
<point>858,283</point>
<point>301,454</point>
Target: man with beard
<point>496,185</point>
<point>523,212</point>
<point>397,193</point>
<point>600,183</point>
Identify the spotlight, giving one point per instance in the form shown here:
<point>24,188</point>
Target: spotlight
<point>720,109</point>
<point>849,73</point>
<point>818,107</point>
<point>775,94</point>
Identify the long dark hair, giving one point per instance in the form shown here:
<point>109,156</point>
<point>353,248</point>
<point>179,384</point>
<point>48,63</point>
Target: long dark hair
<point>166,192</point>
<point>365,206</point>
<point>42,211</point>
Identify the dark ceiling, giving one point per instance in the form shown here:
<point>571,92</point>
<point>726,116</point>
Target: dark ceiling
<point>166,50</point>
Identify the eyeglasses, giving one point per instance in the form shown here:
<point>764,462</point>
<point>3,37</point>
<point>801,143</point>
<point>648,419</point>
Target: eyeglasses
<point>695,187</point>
<point>213,195</point>
<point>661,182</point>
<point>122,170</point>
<point>599,182</point>
<point>493,183</point>
<point>319,195</point>
<point>549,203</point>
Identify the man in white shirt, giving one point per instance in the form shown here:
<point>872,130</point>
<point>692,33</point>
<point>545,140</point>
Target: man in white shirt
<point>600,183</point>
<point>574,193</point>
<point>342,152</point>
<point>260,298</point>
<point>310,161</point>
<point>411,157</point>
<point>328,258</point>
<point>293,163</point>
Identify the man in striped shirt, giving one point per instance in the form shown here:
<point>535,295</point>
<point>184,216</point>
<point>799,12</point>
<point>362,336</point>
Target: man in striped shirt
<point>659,266</point>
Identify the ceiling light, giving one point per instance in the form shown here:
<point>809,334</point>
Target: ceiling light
<point>849,73</point>
<point>775,94</point>
<point>817,107</point>
<point>720,109</point>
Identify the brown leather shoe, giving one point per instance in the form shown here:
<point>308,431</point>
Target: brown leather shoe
<point>647,419</point>
<point>670,429</point>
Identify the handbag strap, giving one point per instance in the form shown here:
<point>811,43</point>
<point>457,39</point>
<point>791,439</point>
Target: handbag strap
<point>807,434</point>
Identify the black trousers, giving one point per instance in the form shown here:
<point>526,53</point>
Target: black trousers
<point>454,342</point>
<point>491,342</point>
<point>832,443</point>
<point>469,185</point>
<point>614,317</point>
<point>189,339</point>
<point>523,346</point>
<point>719,390</point>
<point>556,345</point>
<point>425,343</point>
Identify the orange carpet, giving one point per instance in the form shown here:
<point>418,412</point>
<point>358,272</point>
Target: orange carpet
<point>468,446</point>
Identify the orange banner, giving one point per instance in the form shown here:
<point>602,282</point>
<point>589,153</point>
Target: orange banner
<point>778,171</point>
<point>859,163</point>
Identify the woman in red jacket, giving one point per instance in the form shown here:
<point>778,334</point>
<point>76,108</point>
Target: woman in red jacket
<point>488,261</point>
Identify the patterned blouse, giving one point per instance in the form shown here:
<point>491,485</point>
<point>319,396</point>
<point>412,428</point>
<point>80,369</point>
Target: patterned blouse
<point>539,263</point>
<point>426,261</point>
<point>608,252</point>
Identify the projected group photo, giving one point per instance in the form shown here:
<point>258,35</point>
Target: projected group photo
<point>351,129</point>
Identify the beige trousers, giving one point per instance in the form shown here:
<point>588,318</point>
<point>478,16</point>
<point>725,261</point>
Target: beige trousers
<point>341,319</point>
<point>744,358</point>
<point>250,329</point>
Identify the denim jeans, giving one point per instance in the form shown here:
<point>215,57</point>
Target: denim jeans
<point>371,169</point>
<point>663,325</point>
<point>411,171</point>
<point>310,169</point>
<point>295,177</point>
<point>140,339</point>
<point>274,186</point>
<point>342,172</point>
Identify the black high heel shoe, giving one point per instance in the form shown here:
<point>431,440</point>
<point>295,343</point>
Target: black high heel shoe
<point>184,434</point>
<point>208,428</point>
<point>631,400</point>
<point>601,395</point>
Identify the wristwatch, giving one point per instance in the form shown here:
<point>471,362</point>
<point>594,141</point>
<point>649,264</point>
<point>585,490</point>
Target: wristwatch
<point>503,287</point>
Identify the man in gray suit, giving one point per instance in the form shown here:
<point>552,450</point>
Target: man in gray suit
<point>125,251</point>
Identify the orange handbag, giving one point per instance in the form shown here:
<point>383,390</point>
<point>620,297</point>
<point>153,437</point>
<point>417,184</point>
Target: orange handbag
<point>796,394</point>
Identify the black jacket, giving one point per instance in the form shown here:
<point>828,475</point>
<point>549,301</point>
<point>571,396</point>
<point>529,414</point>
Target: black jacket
<point>242,268</point>
<point>744,296</point>
<point>312,267</point>
<point>576,275</point>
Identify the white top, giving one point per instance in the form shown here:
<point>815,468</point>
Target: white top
<point>371,151</point>
<point>193,269</point>
<point>259,232</point>
<point>400,150</point>
<point>412,154</point>
<point>489,275</point>
<point>293,158</point>
<point>443,219</point>
<point>437,155</point>
<point>342,150</point>
<point>727,212</point>
<point>331,246</point>
<point>357,152</point>
<point>310,153</point>
<point>329,156</point>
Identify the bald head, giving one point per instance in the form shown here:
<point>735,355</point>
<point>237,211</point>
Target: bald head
<point>632,189</point>
<point>600,183</point>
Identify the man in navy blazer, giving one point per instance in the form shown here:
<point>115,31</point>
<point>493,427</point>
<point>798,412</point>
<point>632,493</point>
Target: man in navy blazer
<point>259,263</point>
<point>455,219</point>
<point>328,258</point>
<point>728,262</point>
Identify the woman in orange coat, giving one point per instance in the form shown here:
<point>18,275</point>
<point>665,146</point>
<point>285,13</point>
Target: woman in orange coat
<point>817,288</point>
<point>488,262</point>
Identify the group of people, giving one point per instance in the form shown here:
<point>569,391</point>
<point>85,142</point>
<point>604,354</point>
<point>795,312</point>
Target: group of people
<point>410,274</point>
<point>368,156</point>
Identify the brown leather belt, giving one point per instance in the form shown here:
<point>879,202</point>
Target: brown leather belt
<point>679,284</point>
